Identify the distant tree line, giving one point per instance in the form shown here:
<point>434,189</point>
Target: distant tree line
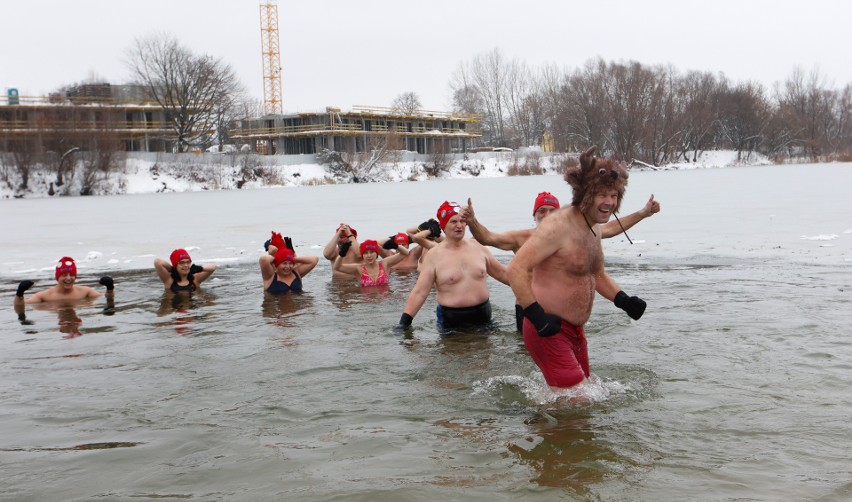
<point>653,114</point>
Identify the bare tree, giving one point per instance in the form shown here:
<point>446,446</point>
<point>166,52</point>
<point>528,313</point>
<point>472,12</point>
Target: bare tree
<point>193,90</point>
<point>406,103</point>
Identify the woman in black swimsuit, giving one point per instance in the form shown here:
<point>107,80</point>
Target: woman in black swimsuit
<point>179,274</point>
<point>283,272</point>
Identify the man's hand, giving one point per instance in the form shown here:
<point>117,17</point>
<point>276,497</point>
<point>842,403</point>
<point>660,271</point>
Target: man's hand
<point>23,286</point>
<point>467,213</point>
<point>546,324</point>
<point>108,282</point>
<point>651,207</point>
<point>633,305</point>
<point>404,321</point>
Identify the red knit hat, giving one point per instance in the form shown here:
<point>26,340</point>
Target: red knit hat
<point>354,232</point>
<point>178,255</point>
<point>402,238</point>
<point>66,265</point>
<point>283,255</point>
<point>545,199</point>
<point>369,245</point>
<point>446,211</point>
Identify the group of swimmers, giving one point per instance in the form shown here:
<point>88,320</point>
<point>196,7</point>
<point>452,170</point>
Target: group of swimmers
<point>557,268</point>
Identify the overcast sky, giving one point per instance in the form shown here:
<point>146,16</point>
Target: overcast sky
<point>345,52</point>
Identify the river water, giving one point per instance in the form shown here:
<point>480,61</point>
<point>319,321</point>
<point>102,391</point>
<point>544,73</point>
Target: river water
<point>734,385</point>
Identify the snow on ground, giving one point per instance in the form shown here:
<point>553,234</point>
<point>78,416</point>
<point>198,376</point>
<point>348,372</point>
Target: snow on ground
<point>228,172</point>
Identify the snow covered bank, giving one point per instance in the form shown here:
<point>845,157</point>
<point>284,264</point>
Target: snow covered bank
<point>153,173</point>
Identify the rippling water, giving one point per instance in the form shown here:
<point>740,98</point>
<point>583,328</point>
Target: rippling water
<point>734,385</point>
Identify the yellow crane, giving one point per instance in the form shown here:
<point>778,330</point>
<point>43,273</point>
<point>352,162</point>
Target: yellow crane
<point>271,56</point>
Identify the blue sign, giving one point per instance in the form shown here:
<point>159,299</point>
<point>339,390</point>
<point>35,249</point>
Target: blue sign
<point>12,96</point>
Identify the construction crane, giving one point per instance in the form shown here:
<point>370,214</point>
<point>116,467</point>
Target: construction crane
<point>271,56</point>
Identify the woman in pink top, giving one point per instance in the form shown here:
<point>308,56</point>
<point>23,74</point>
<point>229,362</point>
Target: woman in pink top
<point>371,270</point>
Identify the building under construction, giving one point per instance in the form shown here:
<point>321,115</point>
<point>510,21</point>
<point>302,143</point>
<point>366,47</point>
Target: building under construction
<point>125,115</point>
<point>360,129</point>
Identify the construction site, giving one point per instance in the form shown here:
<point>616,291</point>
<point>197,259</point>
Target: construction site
<point>130,117</point>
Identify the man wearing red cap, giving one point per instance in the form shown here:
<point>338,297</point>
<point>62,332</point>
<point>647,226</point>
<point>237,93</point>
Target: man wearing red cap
<point>457,268</point>
<point>65,288</point>
<point>344,243</point>
<point>545,203</point>
<point>555,274</point>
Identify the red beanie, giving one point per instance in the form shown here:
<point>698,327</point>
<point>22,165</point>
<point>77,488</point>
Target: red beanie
<point>354,232</point>
<point>446,211</point>
<point>283,255</point>
<point>66,265</point>
<point>369,245</point>
<point>178,255</point>
<point>545,199</point>
<point>402,238</point>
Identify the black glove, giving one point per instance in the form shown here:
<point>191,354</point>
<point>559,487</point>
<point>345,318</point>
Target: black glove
<point>23,286</point>
<point>546,324</point>
<point>390,244</point>
<point>424,225</point>
<point>404,321</point>
<point>289,243</point>
<point>633,305</point>
<point>108,282</point>
<point>344,248</point>
<point>435,228</point>
<point>194,269</point>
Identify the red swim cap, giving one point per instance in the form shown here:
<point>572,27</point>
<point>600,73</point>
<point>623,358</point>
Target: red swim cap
<point>402,238</point>
<point>369,245</point>
<point>545,199</point>
<point>283,255</point>
<point>178,255</point>
<point>66,265</point>
<point>354,232</point>
<point>446,211</point>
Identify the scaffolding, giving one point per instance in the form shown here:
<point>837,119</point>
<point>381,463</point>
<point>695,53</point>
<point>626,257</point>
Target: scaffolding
<point>271,56</point>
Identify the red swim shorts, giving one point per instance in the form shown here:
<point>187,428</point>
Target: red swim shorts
<point>563,358</point>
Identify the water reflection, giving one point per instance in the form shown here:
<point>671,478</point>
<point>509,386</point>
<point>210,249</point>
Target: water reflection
<point>69,321</point>
<point>283,310</point>
<point>184,307</point>
<point>565,451</point>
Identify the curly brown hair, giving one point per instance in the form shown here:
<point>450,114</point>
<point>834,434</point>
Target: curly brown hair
<point>593,176</point>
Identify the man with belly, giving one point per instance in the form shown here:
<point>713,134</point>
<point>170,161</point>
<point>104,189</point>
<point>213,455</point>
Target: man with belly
<point>545,203</point>
<point>556,273</point>
<point>457,268</point>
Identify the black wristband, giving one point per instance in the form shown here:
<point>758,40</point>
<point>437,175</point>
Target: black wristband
<point>620,300</point>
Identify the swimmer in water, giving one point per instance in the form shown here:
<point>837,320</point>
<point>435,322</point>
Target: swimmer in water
<point>180,274</point>
<point>66,288</point>
<point>372,271</point>
<point>283,272</point>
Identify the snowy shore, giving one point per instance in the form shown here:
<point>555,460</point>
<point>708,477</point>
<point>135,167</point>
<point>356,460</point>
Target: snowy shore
<point>156,173</point>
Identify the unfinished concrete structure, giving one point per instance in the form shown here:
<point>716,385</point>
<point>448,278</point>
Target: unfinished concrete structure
<point>361,129</point>
<point>122,114</point>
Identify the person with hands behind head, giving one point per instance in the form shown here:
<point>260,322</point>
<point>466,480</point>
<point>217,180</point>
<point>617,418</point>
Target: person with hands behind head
<point>283,272</point>
<point>66,288</point>
<point>343,244</point>
<point>180,274</point>
<point>555,273</point>
<point>371,271</point>
<point>426,235</point>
